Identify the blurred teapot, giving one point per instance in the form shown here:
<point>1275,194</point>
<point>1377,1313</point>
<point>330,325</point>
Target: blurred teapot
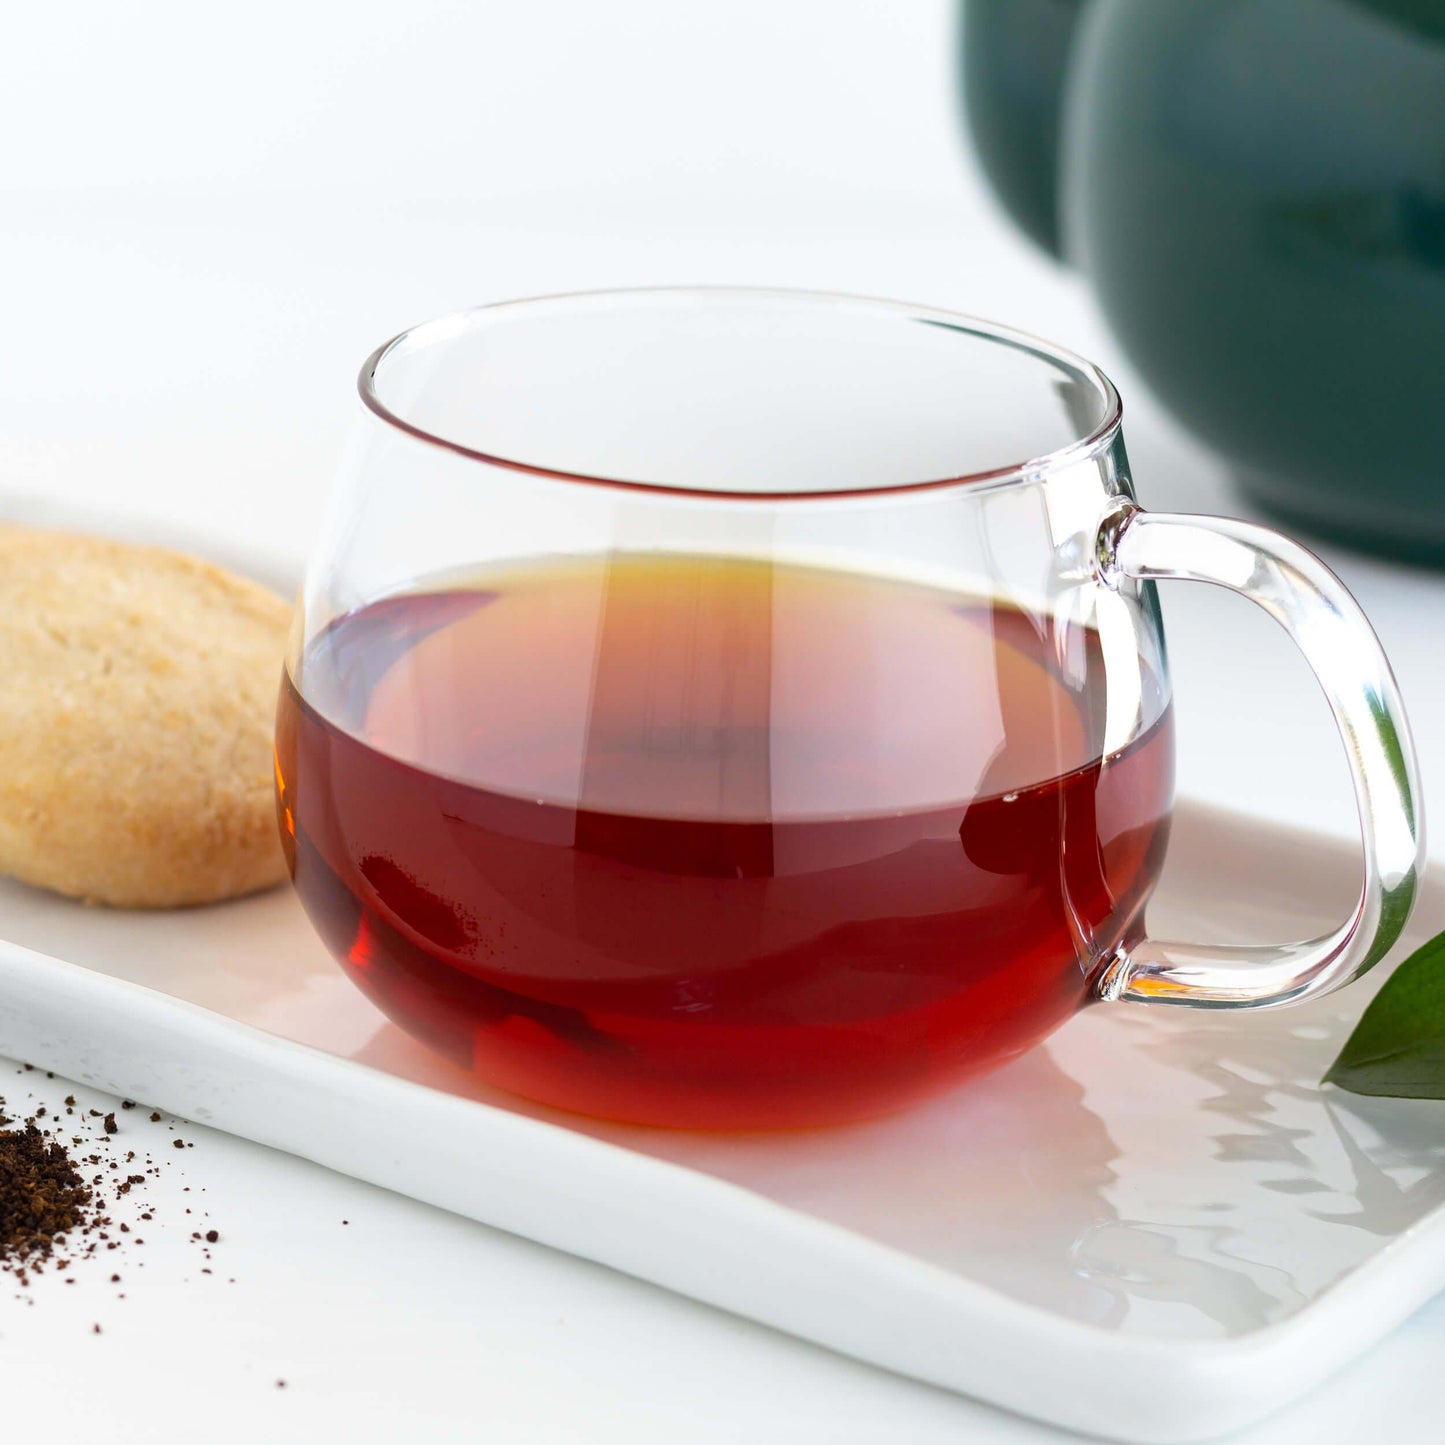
<point>1255,190</point>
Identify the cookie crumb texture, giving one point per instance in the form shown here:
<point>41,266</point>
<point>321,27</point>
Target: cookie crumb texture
<point>139,689</point>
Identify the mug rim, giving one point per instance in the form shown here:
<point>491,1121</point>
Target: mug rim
<point>1079,449</point>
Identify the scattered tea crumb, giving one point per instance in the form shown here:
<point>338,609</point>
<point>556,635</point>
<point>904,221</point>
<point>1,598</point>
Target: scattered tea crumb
<point>42,1196</point>
<point>53,1219</point>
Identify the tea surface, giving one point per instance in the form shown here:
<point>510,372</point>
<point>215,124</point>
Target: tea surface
<point>714,843</point>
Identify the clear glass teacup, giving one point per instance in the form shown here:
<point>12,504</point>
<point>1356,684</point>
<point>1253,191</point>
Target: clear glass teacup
<point>734,709</point>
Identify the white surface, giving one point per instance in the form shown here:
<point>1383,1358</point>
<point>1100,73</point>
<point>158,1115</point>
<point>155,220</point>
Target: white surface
<point>1164,1197</point>
<point>209,222</point>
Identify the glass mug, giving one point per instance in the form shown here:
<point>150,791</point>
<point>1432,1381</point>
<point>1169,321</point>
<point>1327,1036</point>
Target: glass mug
<point>734,709</point>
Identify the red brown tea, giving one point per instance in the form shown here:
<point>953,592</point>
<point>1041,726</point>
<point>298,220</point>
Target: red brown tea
<point>715,843</point>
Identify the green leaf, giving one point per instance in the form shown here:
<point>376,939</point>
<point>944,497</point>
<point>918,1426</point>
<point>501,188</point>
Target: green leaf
<point>1398,1046</point>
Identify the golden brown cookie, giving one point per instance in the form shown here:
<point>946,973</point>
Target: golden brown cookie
<point>137,692</point>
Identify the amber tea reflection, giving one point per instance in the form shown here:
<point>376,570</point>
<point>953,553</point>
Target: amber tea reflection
<point>714,842</point>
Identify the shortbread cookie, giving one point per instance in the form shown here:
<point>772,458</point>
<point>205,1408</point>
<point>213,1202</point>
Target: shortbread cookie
<point>137,692</point>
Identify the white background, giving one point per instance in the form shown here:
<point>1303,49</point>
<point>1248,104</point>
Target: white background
<point>208,216</point>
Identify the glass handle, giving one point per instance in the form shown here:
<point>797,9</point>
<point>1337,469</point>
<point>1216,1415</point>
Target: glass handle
<point>1326,623</point>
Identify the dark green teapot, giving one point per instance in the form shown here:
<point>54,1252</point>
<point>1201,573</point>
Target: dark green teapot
<point>1255,190</point>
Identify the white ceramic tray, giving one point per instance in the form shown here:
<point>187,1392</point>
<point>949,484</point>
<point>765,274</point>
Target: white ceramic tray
<point>1156,1227</point>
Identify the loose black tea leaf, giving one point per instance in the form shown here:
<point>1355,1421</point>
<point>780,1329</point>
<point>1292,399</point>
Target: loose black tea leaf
<point>1398,1046</point>
<point>42,1197</point>
<point>55,1196</point>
